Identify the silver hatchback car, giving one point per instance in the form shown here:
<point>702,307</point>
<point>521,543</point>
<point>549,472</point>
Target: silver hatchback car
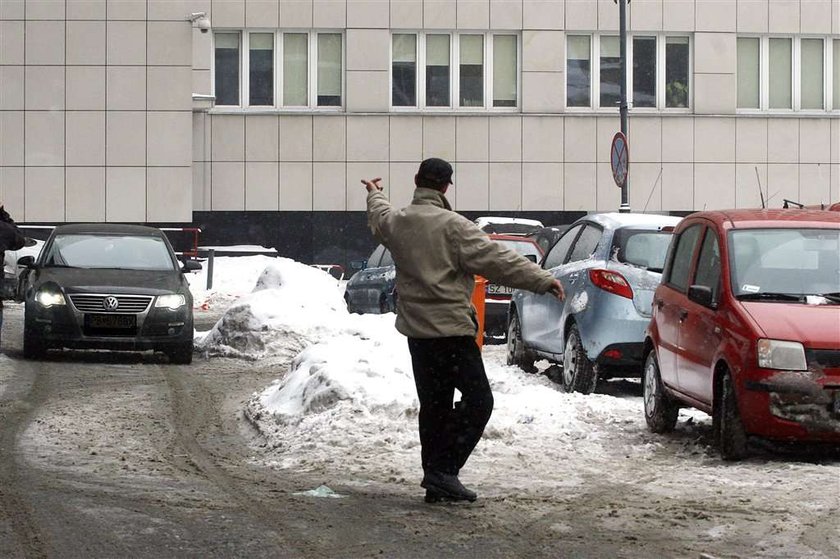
<point>610,265</point>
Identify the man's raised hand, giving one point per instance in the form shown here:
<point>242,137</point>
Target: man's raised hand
<point>372,184</point>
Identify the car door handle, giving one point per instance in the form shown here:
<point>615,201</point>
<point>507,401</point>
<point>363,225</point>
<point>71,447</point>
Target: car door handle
<point>683,315</point>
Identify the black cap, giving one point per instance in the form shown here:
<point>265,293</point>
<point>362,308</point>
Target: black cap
<point>436,171</point>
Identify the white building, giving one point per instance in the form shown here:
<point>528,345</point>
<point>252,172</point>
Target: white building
<point>106,110</point>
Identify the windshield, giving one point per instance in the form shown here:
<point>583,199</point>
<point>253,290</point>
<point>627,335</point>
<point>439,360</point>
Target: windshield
<point>522,247</point>
<point>785,261</point>
<point>109,251</point>
<point>638,247</point>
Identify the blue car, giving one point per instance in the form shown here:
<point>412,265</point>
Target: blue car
<point>610,265</point>
<point>372,290</point>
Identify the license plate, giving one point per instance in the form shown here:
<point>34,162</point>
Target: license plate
<point>116,321</point>
<point>493,289</point>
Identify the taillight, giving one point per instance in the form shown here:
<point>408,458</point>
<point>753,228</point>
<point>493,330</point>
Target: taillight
<point>612,282</point>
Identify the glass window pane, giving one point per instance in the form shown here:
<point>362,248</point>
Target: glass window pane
<point>404,70</point>
<point>329,69</point>
<point>748,73</point>
<point>610,72</point>
<point>836,57</point>
<point>295,69</point>
<point>261,71</point>
<point>437,70</point>
<point>227,68</point>
<point>676,72</point>
<point>780,73</point>
<point>504,70</point>
<point>471,71</point>
<point>578,71</point>
<point>644,71</point>
<point>812,73</point>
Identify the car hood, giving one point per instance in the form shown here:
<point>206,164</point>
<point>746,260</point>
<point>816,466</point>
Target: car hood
<point>79,280</point>
<point>816,326</point>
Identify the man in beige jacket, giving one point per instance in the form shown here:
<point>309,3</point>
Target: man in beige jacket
<point>437,252</point>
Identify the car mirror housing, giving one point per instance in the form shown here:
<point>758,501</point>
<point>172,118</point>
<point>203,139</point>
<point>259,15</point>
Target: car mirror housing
<point>191,266</point>
<point>26,261</point>
<point>702,295</point>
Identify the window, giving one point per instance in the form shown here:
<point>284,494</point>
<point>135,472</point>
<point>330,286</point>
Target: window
<point>279,69</point>
<point>387,259</point>
<point>708,264</point>
<point>227,68</point>
<point>787,73</point>
<point>586,243</point>
<point>836,58</point>
<point>557,255</point>
<point>680,264</point>
<point>658,71</point>
<point>749,75</point>
<point>480,69</point>
<point>644,72</point>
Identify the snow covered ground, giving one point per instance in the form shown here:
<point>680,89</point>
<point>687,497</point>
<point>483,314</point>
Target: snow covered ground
<point>343,406</point>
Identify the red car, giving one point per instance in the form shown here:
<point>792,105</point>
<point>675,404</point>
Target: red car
<point>746,327</point>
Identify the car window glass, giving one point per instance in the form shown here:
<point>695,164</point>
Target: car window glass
<point>524,248</point>
<point>387,260</point>
<point>586,243</point>
<point>375,257</point>
<point>110,251</point>
<point>708,264</point>
<point>557,255</point>
<point>640,247</point>
<point>681,262</point>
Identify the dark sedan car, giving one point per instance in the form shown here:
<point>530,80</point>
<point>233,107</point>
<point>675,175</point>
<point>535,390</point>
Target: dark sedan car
<point>107,286</point>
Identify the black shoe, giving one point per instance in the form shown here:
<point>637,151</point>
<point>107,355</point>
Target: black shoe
<point>435,496</point>
<point>446,485</point>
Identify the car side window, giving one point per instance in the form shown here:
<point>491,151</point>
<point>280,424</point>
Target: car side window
<point>708,264</point>
<point>557,255</point>
<point>387,260</point>
<point>375,257</point>
<point>586,243</point>
<point>680,265</point>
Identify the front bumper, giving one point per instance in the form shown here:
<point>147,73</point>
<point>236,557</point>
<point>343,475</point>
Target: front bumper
<point>64,326</point>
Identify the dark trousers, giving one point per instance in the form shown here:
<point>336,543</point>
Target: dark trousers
<point>449,433</point>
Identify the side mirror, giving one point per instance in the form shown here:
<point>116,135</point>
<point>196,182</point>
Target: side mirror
<point>702,295</point>
<point>358,264</point>
<point>191,266</point>
<point>26,261</point>
<point>531,257</point>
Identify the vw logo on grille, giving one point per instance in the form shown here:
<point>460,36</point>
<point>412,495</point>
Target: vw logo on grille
<point>110,303</point>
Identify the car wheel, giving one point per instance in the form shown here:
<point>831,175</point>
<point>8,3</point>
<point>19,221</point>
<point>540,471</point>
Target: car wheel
<point>660,410</point>
<point>181,354</point>
<point>579,373</point>
<point>516,352</point>
<point>732,438</point>
<point>33,345</point>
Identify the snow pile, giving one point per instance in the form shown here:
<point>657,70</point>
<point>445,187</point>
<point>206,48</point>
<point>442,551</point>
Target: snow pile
<point>233,277</point>
<point>291,306</point>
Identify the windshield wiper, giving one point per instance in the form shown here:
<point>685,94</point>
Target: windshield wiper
<point>833,297</point>
<point>770,295</point>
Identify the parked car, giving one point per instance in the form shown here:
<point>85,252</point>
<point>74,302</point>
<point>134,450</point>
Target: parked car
<point>497,297</point>
<point>609,265</point>
<point>547,236</point>
<point>11,270</point>
<point>746,327</point>
<point>107,286</point>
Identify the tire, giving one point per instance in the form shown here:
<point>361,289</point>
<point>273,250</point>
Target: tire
<point>731,435</point>
<point>660,410</point>
<point>579,373</point>
<point>181,354</point>
<point>33,345</point>
<point>516,352</point>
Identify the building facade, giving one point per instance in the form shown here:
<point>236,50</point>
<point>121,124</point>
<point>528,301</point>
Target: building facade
<point>260,127</point>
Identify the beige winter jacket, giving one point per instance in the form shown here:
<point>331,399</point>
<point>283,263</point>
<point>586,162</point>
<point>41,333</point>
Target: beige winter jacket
<point>437,252</point>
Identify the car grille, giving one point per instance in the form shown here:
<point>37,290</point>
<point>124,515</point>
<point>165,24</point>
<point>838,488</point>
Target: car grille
<point>125,303</point>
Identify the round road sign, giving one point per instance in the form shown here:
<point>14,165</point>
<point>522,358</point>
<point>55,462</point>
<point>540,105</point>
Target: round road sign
<point>619,159</point>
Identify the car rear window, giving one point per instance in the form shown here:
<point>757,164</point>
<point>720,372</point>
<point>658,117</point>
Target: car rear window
<point>522,247</point>
<point>126,252</point>
<point>640,247</point>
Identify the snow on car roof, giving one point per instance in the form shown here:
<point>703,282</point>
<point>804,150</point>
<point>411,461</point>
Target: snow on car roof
<point>482,221</point>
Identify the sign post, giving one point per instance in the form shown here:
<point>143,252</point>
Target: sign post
<point>622,22</point>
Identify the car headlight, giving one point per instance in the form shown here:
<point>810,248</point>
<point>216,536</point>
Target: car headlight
<point>49,298</point>
<point>172,301</point>
<point>778,354</point>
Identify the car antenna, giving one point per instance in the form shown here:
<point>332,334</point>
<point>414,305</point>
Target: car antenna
<point>652,189</point>
<point>760,192</point>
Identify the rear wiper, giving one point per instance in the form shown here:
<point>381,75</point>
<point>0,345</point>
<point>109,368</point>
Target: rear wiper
<point>769,295</point>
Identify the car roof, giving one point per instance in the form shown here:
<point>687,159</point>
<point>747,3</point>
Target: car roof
<point>107,228</point>
<point>614,220</point>
<point>755,218</point>
<point>519,238</point>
